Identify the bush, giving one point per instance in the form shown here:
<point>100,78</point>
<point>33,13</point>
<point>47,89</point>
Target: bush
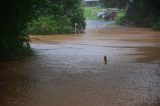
<point>144,13</point>
<point>50,25</point>
<point>59,16</point>
<point>77,16</point>
<point>14,19</point>
<point>156,26</point>
<point>121,18</point>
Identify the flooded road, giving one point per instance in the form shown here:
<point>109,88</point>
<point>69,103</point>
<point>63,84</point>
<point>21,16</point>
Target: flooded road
<point>90,24</point>
<point>69,70</point>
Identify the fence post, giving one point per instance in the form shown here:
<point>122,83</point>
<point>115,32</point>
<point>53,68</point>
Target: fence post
<point>105,59</point>
<point>75,28</point>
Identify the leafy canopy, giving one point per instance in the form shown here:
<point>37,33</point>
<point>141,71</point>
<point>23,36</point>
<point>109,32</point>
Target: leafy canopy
<point>14,18</point>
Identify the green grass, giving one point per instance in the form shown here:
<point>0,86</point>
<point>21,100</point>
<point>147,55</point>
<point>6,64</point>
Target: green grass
<point>93,16</point>
<point>120,14</point>
<point>88,13</point>
<point>120,18</point>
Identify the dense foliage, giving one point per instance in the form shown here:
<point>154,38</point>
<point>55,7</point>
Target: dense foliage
<point>59,16</point>
<point>56,16</point>
<point>144,13</point>
<point>14,18</point>
<point>50,25</point>
<point>114,3</point>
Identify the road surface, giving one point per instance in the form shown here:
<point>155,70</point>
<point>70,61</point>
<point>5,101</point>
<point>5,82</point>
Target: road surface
<point>69,70</point>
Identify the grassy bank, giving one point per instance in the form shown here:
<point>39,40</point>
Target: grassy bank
<point>91,13</point>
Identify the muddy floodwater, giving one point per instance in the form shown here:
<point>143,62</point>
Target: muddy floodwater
<point>69,70</point>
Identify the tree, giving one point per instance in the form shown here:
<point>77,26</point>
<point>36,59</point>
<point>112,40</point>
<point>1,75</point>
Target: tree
<point>114,3</point>
<point>67,11</point>
<point>14,18</point>
<point>144,12</point>
<point>72,9</point>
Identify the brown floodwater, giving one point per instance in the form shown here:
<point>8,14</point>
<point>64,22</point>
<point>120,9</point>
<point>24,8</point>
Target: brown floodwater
<point>69,70</point>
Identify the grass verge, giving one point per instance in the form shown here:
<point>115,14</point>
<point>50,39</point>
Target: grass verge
<point>91,12</point>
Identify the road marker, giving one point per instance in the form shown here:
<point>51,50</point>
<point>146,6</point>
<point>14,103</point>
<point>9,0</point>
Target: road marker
<point>105,59</point>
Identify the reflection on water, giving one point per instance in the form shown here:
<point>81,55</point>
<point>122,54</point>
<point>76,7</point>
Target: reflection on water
<point>14,83</point>
<point>90,24</point>
<point>147,54</point>
<point>75,75</point>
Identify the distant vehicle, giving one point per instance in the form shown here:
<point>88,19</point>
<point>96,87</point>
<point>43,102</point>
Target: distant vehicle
<point>101,14</point>
<point>104,15</point>
<point>111,16</point>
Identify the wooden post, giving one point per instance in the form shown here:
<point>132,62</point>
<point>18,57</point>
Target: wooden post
<point>75,28</point>
<point>105,59</point>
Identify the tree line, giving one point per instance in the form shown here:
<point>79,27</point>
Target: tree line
<point>19,18</point>
<point>14,18</point>
<point>59,16</point>
<point>145,13</point>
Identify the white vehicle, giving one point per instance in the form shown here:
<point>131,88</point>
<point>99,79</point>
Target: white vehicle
<point>101,14</point>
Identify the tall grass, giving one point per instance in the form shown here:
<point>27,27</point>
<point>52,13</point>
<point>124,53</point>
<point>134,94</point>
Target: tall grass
<point>88,12</point>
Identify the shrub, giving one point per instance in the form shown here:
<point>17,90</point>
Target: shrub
<point>121,18</point>
<point>144,13</point>
<point>156,26</point>
<point>59,16</point>
<point>50,25</point>
<point>14,19</point>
